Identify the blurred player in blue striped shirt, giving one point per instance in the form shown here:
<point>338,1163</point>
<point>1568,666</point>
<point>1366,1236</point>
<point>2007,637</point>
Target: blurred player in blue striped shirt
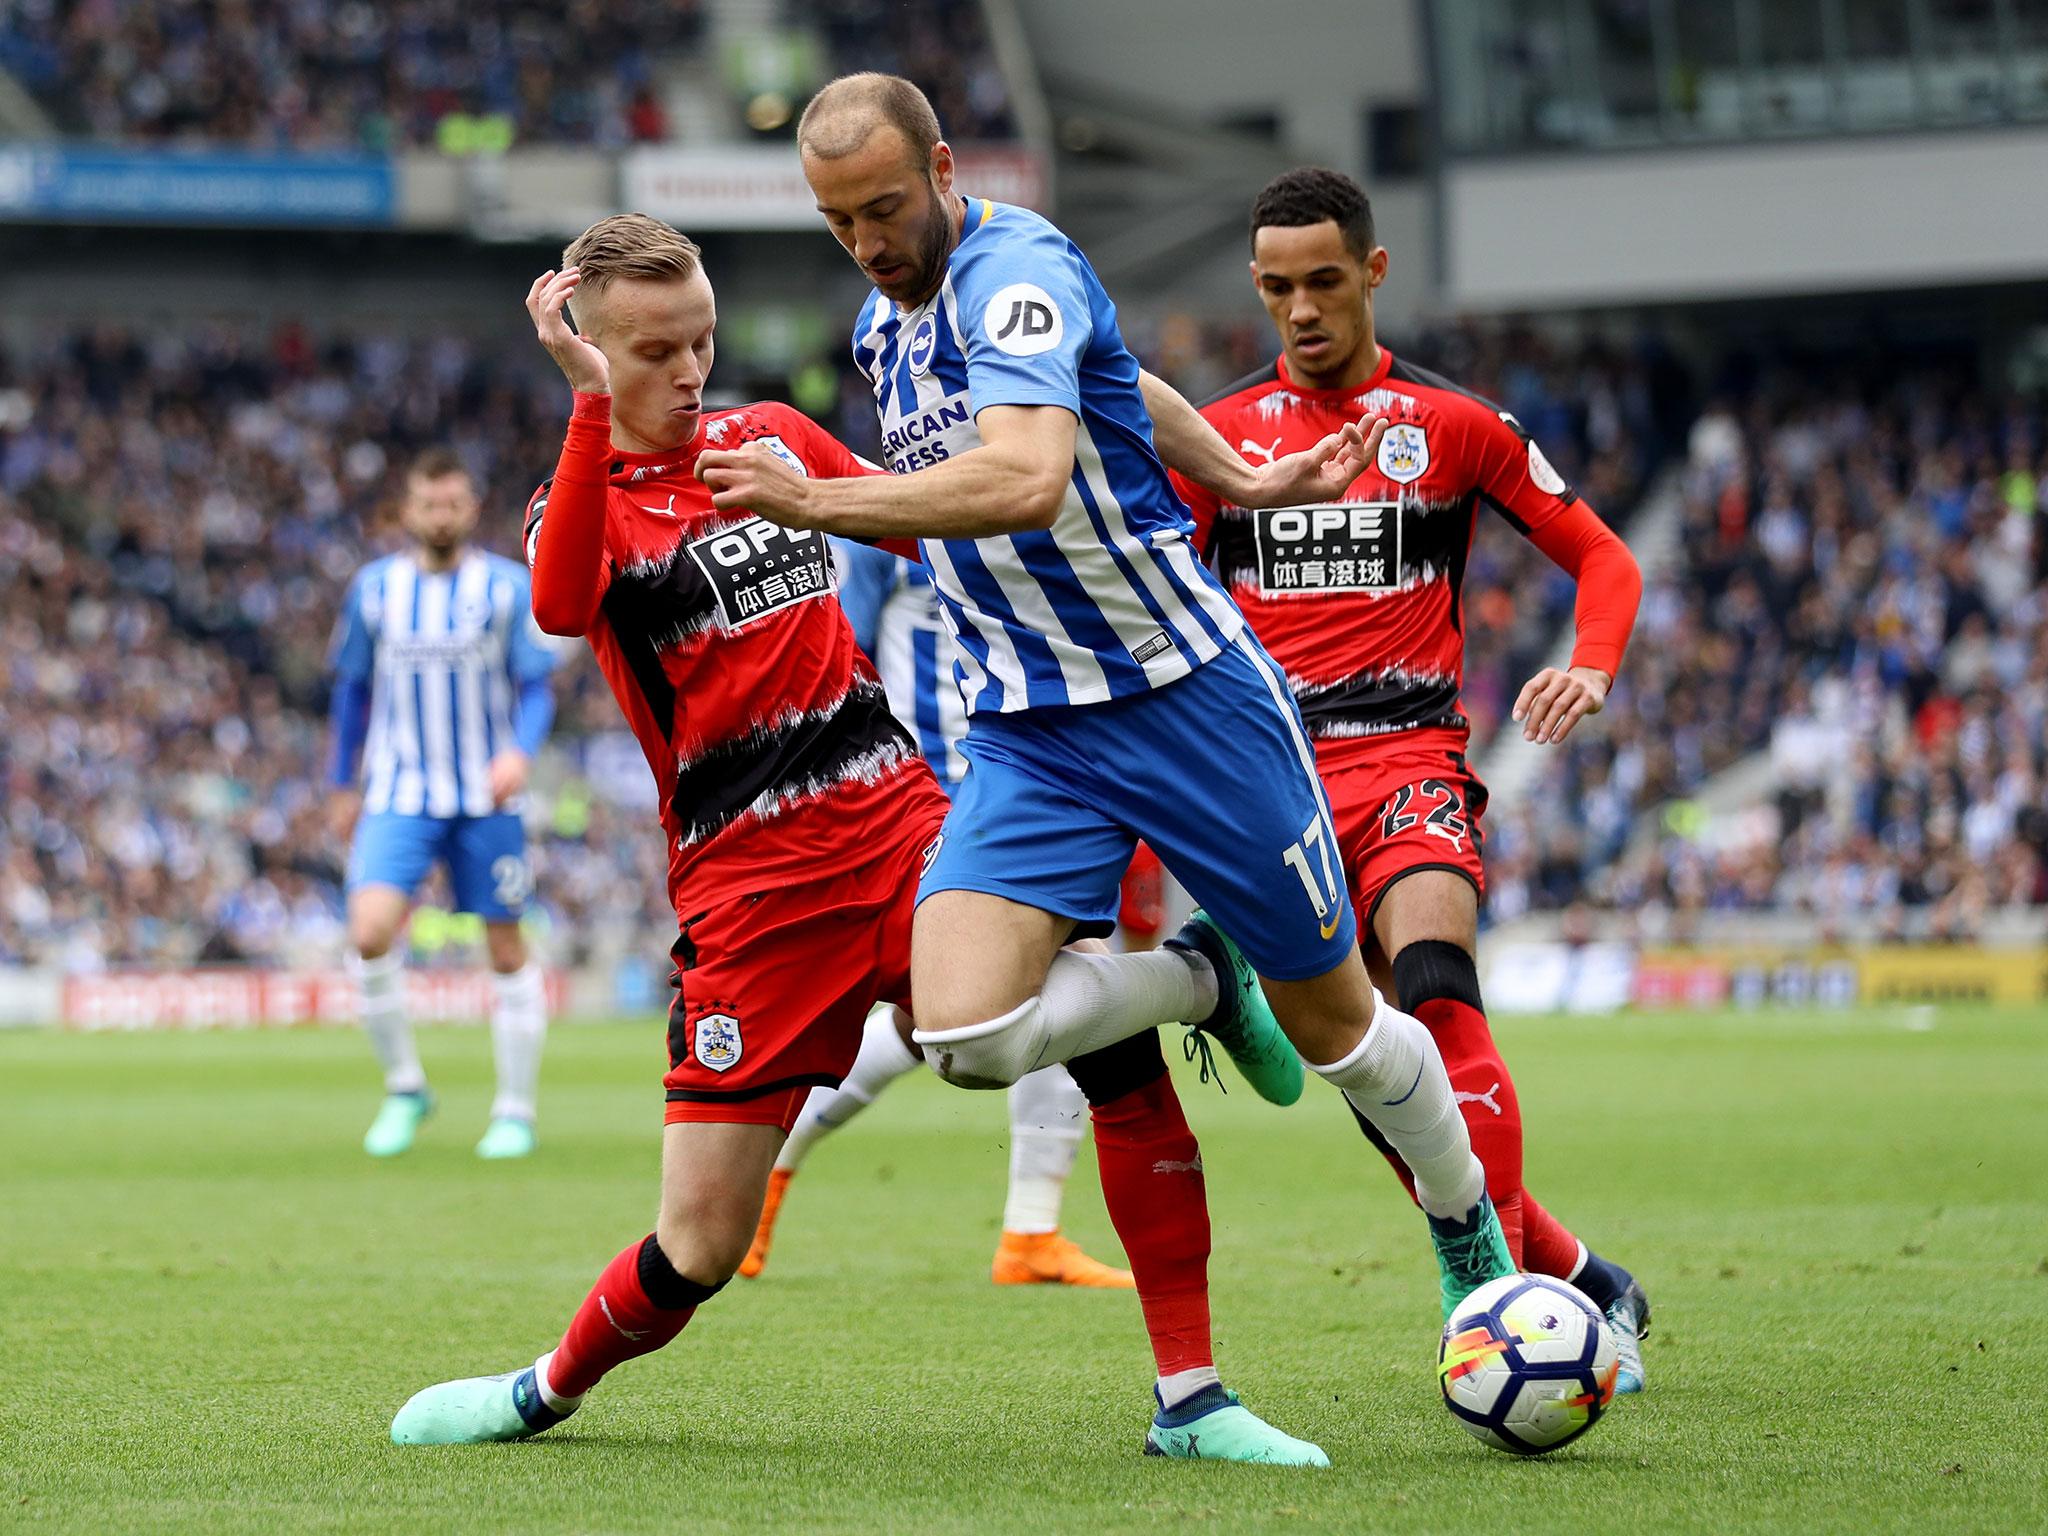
<point>441,688</point>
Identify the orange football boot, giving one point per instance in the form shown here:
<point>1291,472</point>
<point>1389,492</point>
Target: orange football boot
<point>757,1252</point>
<point>1047,1258</point>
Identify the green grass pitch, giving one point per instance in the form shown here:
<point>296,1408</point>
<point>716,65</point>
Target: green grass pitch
<point>211,1302</point>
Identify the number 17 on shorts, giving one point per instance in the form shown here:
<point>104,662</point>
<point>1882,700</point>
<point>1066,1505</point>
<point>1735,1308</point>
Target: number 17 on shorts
<point>1310,858</point>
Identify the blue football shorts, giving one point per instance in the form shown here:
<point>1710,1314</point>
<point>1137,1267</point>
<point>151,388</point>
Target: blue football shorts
<point>485,855</point>
<point>1214,770</point>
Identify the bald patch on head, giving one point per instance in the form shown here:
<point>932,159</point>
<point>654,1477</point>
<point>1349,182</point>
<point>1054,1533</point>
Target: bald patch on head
<point>836,135</point>
<point>843,117</point>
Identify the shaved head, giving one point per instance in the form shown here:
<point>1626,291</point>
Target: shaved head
<point>845,114</point>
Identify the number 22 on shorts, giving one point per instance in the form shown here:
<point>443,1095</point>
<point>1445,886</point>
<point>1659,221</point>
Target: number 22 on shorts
<point>1324,897</point>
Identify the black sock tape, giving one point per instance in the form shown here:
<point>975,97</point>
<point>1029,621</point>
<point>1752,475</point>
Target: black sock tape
<point>664,1287</point>
<point>1430,969</point>
<point>1107,1075</point>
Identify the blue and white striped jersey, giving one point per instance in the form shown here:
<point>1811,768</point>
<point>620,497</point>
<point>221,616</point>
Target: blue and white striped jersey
<point>446,656</point>
<point>1111,600</point>
<point>897,619</point>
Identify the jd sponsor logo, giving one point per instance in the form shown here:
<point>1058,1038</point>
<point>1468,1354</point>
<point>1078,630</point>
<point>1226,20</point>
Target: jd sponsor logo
<point>1023,321</point>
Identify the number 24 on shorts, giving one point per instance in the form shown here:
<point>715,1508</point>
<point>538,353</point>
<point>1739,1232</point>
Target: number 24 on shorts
<point>1325,897</point>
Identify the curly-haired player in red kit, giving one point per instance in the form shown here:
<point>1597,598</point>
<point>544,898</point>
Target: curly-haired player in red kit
<point>1360,601</point>
<point>798,814</point>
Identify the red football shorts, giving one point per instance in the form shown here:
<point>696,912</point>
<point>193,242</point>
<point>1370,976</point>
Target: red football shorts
<point>772,988</point>
<point>1143,910</point>
<point>1402,804</point>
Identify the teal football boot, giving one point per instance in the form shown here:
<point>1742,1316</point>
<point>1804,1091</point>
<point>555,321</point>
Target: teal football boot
<point>475,1411</point>
<point>398,1121</point>
<point>1628,1324</point>
<point>1470,1252</point>
<point>507,1136</point>
<point>1243,1022</point>
<point>1214,1426</point>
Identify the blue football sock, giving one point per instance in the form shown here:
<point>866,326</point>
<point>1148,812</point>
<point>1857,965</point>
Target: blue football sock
<point>1601,1280</point>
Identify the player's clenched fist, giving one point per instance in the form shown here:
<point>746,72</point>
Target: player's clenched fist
<point>1552,702</point>
<point>752,479</point>
<point>546,300</point>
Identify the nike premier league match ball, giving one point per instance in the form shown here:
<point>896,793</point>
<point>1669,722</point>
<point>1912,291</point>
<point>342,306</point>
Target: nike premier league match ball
<point>1526,1364</point>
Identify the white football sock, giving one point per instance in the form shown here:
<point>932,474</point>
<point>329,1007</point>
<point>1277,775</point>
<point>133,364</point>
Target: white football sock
<point>548,1394</point>
<point>1182,1385</point>
<point>1396,1079</point>
<point>1578,1267</point>
<point>381,985</point>
<point>1088,1003</point>
<point>1046,1111</point>
<point>519,1028</point>
<point>882,1059</point>
<point>1092,1001</point>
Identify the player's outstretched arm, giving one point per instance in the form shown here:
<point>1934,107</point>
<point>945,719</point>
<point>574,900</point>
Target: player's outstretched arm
<point>1190,446</point>
<point>1014,482</point>
<point>1610,589</point>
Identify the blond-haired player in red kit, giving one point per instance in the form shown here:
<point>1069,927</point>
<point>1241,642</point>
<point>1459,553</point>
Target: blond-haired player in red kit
<point>1360,601</point>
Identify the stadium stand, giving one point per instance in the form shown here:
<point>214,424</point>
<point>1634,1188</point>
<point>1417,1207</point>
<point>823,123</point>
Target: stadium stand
<point>271,75</point>
<point>459,75</point>
<point>1862,597</point>
<point>941,44</point>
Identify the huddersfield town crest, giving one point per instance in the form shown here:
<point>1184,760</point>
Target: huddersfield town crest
<point>718,1041</point>
<point>1404,453</point>
<point>784,452</point>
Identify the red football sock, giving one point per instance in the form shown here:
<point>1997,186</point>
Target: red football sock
<point>616,1323</point>
<point>1486,1098</point>
<point>1550,1247</point>
<point>1152,1183</point>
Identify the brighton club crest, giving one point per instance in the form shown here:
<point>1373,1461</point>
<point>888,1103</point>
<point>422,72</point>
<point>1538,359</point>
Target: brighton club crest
<point>1404,453</point>
<point>718,1041</point>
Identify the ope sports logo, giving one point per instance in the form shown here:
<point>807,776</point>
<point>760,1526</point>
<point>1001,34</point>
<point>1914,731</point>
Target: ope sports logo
<point>924,342</point>
<point>1023,321</point>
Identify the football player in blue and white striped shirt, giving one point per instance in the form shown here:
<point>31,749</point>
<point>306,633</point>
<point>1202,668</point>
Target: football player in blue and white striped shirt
<point>441,687</point>
<point>1113,689</point>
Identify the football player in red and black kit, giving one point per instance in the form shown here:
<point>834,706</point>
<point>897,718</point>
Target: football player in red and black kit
<point>798,814</point>
<point>1360,602</point>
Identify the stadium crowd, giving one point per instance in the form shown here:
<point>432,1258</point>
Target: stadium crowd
<point>459,75</point>
<point>271,74</point>
<point>941,44</point>
<point>1861,594</point>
